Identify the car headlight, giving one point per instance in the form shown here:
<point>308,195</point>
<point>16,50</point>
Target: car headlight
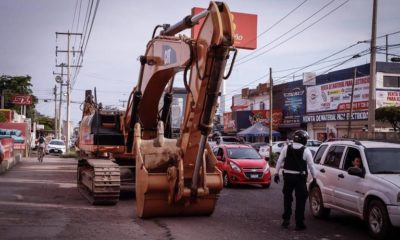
<point>266,169</point>
<point>234,167</point>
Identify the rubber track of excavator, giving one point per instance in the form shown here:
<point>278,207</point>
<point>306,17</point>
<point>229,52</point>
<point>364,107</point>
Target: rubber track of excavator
<point>99,181</point>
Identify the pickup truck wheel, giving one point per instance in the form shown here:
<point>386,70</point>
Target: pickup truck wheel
<point>316,204</point>
<point>378,220</point>
<point>226,180</point>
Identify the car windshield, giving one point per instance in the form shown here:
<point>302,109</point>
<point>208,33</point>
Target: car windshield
<point>230,139</point>
<point>383,160</point>
<point>243,153</point>
<point>57,143</point>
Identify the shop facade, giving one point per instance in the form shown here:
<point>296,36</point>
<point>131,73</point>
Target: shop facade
<point>328,103</point>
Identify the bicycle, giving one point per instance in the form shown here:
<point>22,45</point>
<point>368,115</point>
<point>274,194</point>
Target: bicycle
<point>40,154</point>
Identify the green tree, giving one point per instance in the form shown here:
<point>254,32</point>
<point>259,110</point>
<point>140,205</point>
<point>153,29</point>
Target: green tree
<point>12,85</point>
<point>47,122</point>
<point>389,114</point>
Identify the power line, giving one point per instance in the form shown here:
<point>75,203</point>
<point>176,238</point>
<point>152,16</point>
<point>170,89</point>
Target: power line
<point>273,25</point>
<point>336,65</point>
<point>276,39</point>
<point>77,25</point>
<point>291,37</point>
<point>289,76</point>
<point>87,41</point>
<point>73,19</point>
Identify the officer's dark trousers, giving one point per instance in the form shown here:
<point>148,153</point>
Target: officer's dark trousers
<point>297,183</point>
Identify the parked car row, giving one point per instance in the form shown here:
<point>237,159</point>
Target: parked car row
<point>278,146</point>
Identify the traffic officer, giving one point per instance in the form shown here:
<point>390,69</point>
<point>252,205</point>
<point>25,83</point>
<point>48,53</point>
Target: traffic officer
<point>295,158</point>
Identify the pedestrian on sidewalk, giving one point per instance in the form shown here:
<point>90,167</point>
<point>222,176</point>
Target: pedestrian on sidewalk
<point>294,159</point>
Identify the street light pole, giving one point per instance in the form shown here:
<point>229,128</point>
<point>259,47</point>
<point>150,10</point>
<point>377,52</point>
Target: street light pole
<point>372,75</point>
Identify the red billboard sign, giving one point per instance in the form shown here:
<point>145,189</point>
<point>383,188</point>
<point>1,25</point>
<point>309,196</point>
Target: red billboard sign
<point>21,99</point>
<point>246,29</point>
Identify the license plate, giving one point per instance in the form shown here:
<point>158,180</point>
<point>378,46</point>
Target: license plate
<point>253,175</point>
<point>55,150</point>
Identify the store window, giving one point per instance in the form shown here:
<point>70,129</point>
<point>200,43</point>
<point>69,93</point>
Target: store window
<point>391,81</point>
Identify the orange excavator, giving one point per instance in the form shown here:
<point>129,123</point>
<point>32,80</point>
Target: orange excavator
<point>132,149</point>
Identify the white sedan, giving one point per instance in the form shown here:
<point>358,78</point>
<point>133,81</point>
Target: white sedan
<point>56,146</point>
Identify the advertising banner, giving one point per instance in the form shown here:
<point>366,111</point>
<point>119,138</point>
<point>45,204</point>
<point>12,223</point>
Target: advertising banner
<point>385,98</point>
<point>229,123</point>
<point>240,120</point>
<point>293,108</point>
<point>263,116</point>
<point>21,99</point>
<point>246,29</point>
<point>335,96</point>
<point>337,116</point>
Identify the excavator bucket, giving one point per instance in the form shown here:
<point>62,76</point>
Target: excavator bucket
<point>160,185</point>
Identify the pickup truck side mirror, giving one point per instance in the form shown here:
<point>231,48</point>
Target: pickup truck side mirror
<point>220,158</point>
<point>355,171</point>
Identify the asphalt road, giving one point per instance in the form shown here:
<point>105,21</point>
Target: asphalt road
<point>40,201</point>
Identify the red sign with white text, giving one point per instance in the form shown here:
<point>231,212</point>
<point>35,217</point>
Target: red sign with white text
<point>21,99</point>
<point>246,29</point>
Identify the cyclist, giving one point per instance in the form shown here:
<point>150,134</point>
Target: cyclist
<point>41,147</point>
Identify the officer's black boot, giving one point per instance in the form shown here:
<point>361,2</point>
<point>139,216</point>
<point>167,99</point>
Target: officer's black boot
<point>300,226</point>
<point>285,223</point>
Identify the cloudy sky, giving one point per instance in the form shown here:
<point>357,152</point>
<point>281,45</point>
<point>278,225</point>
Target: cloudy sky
<point>313,31</point>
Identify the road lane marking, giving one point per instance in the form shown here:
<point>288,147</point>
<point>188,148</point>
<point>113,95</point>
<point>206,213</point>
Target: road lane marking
<point>33,181</point>
<point>50,205</point>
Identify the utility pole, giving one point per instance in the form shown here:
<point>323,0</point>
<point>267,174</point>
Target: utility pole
<point>351,102</point>
<point>123,102</point>
<point>387,42</point>
<point>372,75</point>
<point>68,85</point>
<point>55,110</point>
<point>271,85</point>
